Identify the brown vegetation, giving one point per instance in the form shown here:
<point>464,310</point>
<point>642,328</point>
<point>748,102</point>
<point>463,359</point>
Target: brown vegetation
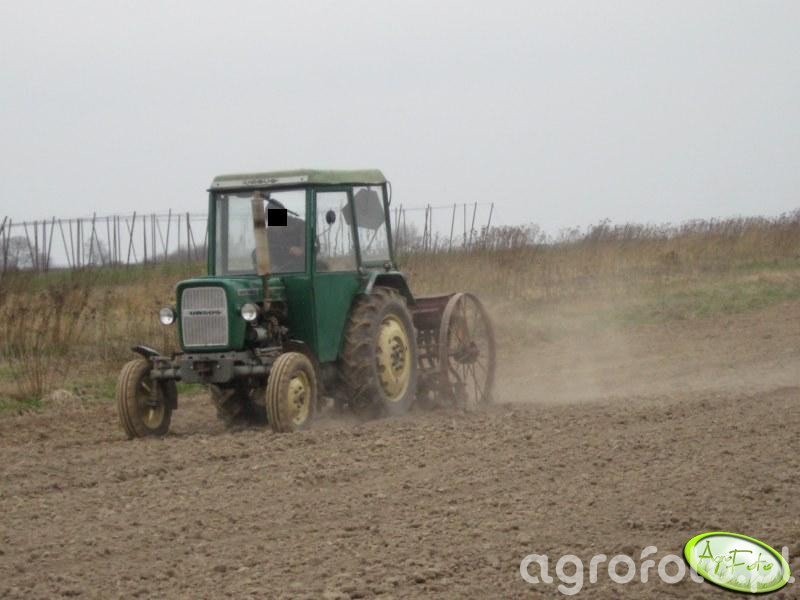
<point>73,330</point>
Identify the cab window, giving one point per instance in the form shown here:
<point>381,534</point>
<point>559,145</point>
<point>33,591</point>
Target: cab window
<point>334,247</point>
<point>235,241</point>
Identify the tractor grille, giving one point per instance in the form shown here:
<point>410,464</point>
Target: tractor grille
<point>204,317</point>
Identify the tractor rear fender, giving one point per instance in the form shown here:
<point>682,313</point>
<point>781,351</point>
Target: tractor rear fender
<point>393,280</point>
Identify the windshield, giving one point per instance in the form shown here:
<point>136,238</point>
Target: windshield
<point>235,242</point>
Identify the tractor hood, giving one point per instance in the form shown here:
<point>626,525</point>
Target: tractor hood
<point>209,317</point>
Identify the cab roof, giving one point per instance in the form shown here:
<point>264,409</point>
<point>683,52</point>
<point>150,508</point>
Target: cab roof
<point>298,177</point>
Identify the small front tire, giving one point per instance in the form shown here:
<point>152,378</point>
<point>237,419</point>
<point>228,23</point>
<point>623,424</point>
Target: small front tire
<point>140,415</point>
<point>291,393</point>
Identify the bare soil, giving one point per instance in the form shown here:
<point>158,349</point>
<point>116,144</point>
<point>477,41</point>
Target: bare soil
<point>604,442</point>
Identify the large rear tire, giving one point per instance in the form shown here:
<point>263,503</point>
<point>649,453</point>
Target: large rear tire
<point>379,358</point>
<point>141,413</point>
<point>291,393</point>
<point>239,404</point>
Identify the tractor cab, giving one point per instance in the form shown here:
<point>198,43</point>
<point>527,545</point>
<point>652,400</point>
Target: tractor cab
<point>327,237</point>
<point>303,301</point>
<point>317,222</point>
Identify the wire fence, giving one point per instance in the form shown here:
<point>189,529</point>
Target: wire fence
<point>42,245</point>
<point>101,241</point>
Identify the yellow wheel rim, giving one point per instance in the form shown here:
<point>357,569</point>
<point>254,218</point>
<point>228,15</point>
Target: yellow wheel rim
<point>393,358</point>
<point>151,416</point>
<point>298,398</point>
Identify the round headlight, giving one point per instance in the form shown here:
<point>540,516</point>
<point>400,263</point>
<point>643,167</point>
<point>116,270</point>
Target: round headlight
<point>249,312</point>
<point>166,315</point>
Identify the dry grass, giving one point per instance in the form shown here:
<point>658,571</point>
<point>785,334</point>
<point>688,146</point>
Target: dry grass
<point>514,265</point>
<point>73,330</point>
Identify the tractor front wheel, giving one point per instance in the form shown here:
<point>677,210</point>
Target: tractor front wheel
<point>379,358</point>
<point>291,393</point>
<point>144,405</point>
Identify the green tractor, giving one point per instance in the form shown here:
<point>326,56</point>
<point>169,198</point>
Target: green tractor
<point>304,306</point>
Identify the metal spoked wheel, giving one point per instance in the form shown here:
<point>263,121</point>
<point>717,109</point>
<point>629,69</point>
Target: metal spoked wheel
<point>466,352</point>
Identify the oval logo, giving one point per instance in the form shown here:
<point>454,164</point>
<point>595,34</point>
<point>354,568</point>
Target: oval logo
<point>737,562</point>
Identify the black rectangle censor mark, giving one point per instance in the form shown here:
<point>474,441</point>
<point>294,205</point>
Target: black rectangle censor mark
<point>276,217</point>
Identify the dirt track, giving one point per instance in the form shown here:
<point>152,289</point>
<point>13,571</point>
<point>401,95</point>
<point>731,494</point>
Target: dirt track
<point>603,444</point>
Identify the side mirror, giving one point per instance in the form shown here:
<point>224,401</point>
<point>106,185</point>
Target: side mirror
<point>368,209</point>
<point>330,217</point>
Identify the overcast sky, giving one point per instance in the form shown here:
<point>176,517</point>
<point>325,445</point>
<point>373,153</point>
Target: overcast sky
<point>562,113</point>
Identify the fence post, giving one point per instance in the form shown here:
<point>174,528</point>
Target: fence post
<point>81,243</point>
<point>425,229</point>
<point>190,233</point>
<point>3,245</point>
<point>431,239</point>
<point>452,225</point>
<point>405,227</point>
<point>30,245</point>
<point>44,244</point>
<point>64,241</point>
<point>188,237</point>
<point>144,236</point>
<point>472,227</point>
<point>464,223</point>
<point>166,245</point>
<point>397,237</point>
<point>50,243</point>
<point>3,242</point>
<point>92,237</point>
<point>488,224</point>
<point>103,257</point>
<point>157,227</point>
<point>131,228</point>
<point>8,240</point>
<point>71,243</point>
<point>36,245</point>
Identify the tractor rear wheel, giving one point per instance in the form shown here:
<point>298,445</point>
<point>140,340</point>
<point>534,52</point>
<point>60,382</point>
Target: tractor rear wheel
<point>379,359</point>
<point>239,404</point>
<point>144,406</point>
<point>291,393</point>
